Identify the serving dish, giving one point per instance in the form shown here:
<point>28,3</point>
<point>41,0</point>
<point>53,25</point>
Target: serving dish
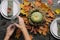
<point>55,27</point>
<point>15,9</point>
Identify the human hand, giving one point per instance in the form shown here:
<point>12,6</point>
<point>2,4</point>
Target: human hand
<point>9,31</point>
<point>21,23</point>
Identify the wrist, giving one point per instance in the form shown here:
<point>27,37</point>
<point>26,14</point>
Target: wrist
<point>6,37</point>
<point>23,28</point>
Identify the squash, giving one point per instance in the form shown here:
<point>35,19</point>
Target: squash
<point>36,17</point>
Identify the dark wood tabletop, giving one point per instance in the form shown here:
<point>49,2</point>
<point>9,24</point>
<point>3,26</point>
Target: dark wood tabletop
<point>4,24</point>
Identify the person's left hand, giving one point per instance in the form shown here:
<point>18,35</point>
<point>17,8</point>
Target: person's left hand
<point>10,30</point>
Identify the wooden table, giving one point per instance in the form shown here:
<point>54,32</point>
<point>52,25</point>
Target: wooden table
<point>4,23</point>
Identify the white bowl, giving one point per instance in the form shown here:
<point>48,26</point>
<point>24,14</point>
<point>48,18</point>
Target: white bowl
<point>54,28</point>
<point>16,9</point>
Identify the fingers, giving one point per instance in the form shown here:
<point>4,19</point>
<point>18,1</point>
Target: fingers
<point>10,30</point>
<point>11,27</point>
<point>21,21</point>
<point>17,25</point>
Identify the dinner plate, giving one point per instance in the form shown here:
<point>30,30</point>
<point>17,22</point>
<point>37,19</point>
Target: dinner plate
<point>55,28</point>
<point>16,9</point>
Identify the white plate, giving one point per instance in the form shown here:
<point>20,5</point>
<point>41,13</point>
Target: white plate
<point>16,9</point>
<point>54,28</point>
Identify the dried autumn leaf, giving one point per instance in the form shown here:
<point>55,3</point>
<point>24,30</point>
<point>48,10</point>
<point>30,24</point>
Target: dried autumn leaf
<point>21,5</point>
<point>35,32</point>
<point>47,23</point>
<point>27,8</point>
<point>44,7</point>
<point>17,36</point>
<point>22,11</point>
<point>41,27</point>
<point>32,29</point>
<point>31,37</point>
<point>18,33</point>
<point>26,2</point>
<point>45,30</point>
<point>51,13</point>
<point>50,19</point>
<point>37,4</point>
<point>44,33</point>
<point>39,31</point>
<point>27,14</point>
<point>28,27</point>
<point>47,20</point>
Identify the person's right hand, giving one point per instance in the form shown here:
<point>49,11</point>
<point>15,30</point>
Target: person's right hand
<point>21,23</point>
<point>21,26</point>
